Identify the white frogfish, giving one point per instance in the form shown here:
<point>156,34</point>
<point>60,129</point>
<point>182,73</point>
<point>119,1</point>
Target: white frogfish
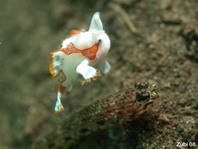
<point>78,56</point>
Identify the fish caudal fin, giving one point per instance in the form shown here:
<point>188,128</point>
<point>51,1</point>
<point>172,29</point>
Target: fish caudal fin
<point>56,63</point>
<point>59,107</point>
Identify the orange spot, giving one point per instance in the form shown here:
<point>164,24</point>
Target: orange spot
<point>89,53</point>
<point>73,32</point>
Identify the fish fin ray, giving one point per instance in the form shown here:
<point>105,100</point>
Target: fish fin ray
<point>56,63</point>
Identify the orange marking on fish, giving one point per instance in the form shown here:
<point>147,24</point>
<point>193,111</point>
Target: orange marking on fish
<point>61,89</point>
<point>51,67</point>
<point>89,53</point>
<point>57,112</point>
<point>73,32</point>
<point>51,64</point>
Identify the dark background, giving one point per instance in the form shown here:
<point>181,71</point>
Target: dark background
<point>164,51</point>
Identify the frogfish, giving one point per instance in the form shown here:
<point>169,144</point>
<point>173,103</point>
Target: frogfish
<point>83,55</point>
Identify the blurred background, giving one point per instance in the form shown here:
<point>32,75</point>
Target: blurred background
<point>154,41</point>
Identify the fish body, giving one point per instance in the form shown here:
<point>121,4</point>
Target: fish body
<point>79,55</point>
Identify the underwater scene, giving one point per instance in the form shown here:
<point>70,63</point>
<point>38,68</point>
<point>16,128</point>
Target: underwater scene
<point>98,74</point>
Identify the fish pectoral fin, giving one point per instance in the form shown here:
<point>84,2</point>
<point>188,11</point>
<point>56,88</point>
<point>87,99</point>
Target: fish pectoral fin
<point>56,62</point>
<point>85,70</point>
<point>104,67</point>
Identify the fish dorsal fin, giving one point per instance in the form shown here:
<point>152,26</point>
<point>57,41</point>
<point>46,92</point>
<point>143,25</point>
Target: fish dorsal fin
<point>74,32</point>
<point>96,23</point>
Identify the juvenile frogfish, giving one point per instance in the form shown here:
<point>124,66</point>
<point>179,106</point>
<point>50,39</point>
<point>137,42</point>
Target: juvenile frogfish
<point>80,54</point>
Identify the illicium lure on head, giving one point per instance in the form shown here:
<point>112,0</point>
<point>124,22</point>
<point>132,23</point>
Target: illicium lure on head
<point>78,55</point>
